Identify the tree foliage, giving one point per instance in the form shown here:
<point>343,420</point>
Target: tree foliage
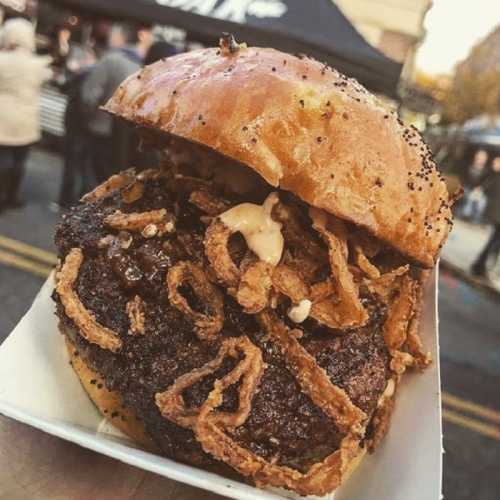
<point>476,86</point>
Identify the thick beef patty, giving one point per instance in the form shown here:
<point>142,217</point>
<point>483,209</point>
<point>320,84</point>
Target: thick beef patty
<point>284,425</point>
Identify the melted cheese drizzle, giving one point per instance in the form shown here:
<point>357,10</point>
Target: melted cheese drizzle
<point>300,312</point>
<point>261,232</point>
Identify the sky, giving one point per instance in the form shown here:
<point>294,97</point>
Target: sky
<point>453,27</point>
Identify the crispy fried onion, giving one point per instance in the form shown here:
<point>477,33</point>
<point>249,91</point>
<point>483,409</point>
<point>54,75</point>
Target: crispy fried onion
<point>382,416</point>
<point>255,286</point>
<point>401,328</point>
<point>157,221</point>
<point>296,234</point>
<point>313,380</point>
<point>207,324</point>
<point>250,285</point>
<point>249,370</point>
<point>364,264</point>
<point>209,203</point>
<point>85,321</point>
<point>322,477</point>
<point>386,284</point>
<point>108,187</point>
<point>344,309</point>
<point>133,192</point>
<point>413,342</point>
<point>217,252</point>
<point>136,314</point>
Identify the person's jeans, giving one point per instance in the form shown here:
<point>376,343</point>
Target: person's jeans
<point>474,205</point>
<point>491,248</point>
<point>101,156</point>
<point>12,167</point>
<point>76,179</point>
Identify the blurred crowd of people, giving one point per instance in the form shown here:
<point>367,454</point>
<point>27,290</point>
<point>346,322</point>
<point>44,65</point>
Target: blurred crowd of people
<point>95,145</point>
<point>22,74</point>
<point>481,202</point>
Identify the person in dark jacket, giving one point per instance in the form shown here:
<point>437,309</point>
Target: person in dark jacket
<point>75,180</point>
<point>112,143</point>
<point>159,50</point>
<point>474,201</point>
<point>492,188</point>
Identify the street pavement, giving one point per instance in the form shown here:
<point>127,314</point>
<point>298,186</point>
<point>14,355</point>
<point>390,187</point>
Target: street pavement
<point>469,330</point>
<point>463,247</point>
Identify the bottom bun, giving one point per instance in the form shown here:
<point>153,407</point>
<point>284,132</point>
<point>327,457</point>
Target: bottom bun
<point>109,403</point>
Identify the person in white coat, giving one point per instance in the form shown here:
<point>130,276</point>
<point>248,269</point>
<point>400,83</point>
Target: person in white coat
<point>22,74</point>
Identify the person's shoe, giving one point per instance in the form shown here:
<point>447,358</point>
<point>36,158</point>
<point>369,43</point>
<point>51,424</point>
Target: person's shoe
<point>478,270</point>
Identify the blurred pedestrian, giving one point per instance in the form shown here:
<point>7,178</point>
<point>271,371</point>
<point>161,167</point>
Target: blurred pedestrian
<point>22,74</point>
<point>492,248</point>
<point>159,50</point>
<point>112,143</point>
<point>474,200</point>
<point>75,181</point>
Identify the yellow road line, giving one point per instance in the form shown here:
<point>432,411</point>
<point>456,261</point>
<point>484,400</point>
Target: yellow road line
<point>28,250</point>
<point>470,407</point>
<point>488,430</point>
<point>13,260</point>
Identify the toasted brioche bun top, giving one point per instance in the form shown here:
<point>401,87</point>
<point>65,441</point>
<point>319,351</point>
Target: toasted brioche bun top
<point>305,128</point>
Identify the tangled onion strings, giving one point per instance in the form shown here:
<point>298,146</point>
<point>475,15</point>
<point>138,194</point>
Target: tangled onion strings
<point>347,311</point>
<point>186,272</point>
<point>250,285</point>
<point>249,370</point>
<point>382,416</point>
<point>85,321</point>
<point>161,219</point>
<point>207,202</point>
<point>401,328</point>
<point>114,183</point>
<point>136,314</point>
<point>321,477</point>
<point>312,379</point>
<point>413,341</point>
<point>387,284</point>
<point>295,232</point>
<point>255,286</point>
<point>364,264</point>
<point>133,192</point>
<point>289,282</point>
<point>217,252</point>
<point>398,317</point>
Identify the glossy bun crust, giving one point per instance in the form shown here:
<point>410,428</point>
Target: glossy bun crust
<point>109,403</point>
<point>305,128</point>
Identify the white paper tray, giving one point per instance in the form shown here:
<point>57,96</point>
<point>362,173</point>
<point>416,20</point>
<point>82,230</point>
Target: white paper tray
<point>39,388</point>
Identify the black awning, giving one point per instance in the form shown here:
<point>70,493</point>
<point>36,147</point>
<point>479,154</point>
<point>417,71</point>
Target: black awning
<point>313,27</point>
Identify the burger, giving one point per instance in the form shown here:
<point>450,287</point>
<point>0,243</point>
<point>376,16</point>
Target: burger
<point>251,305</point>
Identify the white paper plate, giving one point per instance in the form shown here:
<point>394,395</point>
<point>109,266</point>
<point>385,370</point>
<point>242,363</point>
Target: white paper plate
<point>39,388</point>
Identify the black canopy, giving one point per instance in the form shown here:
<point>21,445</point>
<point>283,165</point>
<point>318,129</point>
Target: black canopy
<point>313,27</point>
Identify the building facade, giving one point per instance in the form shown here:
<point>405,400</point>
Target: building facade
<point>395,27</point>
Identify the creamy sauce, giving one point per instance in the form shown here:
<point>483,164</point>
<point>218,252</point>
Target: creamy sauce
<point>300,312</point>
<point>261,232</point>
<point>388,392</point>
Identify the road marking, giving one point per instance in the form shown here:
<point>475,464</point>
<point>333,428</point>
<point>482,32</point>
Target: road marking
<point>28,250</point>
<point>470,407</point>
<point>14,260</point>
<point>488,430</point>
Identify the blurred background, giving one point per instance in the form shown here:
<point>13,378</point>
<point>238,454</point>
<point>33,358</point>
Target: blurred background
<point>436,62</point>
